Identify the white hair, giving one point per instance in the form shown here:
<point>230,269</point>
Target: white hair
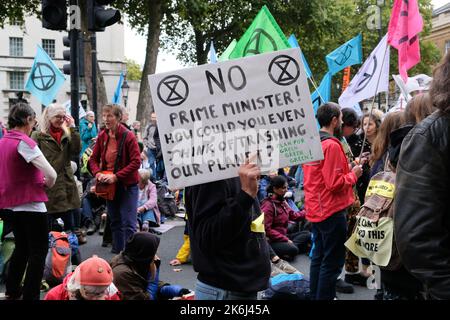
<point>52,110</point>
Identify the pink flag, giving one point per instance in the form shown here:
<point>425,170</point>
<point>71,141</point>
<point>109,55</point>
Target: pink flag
<point>405,25</point>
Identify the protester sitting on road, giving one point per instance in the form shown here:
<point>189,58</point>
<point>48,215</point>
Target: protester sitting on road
<point>136,271</point>
<point>185,250</point>
<point>279,265</point>
<point>24,175</point>
<point>92,207</point>
<point>277,215</point>
<point>147,211</point>
<point>59,141</point>
<point>91,280</point>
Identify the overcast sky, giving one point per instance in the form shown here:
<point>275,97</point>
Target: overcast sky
<point>135,47</point>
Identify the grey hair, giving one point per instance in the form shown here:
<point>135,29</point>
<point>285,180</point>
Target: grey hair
<point>49,112</point>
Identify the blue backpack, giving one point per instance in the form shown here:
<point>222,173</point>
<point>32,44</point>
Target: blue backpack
<point>287,287</point>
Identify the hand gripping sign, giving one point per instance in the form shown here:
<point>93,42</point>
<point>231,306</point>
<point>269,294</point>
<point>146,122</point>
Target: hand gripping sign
<point>211,117</point>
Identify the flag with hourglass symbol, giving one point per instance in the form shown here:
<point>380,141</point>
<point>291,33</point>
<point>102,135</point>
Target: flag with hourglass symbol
<point>45,78</point>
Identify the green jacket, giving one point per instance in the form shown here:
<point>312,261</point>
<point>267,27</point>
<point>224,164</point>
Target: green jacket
<point>63,196</point>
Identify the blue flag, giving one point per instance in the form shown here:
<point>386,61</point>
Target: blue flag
<point>294,44</point>
<point>45,78</point>
<point>117,96</point>
<point>323,92</point>
<point>212,53</point>
<point>348,54</point>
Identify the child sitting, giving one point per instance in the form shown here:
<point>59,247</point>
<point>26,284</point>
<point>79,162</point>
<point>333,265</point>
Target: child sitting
<point>148,212</point>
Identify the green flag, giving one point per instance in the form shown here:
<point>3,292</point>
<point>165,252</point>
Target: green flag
<point>263,35</point>
<point>226,54</point>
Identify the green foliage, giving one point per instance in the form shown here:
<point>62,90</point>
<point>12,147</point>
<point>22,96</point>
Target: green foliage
<point>139,14</point>
<point>17,9</point>
<point>194,23</point>
<point>134,71</point>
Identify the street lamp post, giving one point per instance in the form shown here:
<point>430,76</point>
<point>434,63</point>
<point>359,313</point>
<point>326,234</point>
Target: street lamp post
<point>125,88</point>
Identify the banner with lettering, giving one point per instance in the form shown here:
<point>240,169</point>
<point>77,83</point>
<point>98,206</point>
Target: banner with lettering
<point>211,117</point>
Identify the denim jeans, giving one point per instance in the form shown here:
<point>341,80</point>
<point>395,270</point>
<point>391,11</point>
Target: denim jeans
<point>148,215</point>
<point>204,291</point>
<point>86,211</point>
<point>123,214</point>
<point>299,177</point>
<point>328,255</point>
<point>151,154</point>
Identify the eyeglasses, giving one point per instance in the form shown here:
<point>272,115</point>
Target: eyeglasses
<point>59,117</point>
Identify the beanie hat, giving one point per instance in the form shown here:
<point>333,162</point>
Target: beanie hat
<point>95,271</point>
<point>141,247</point>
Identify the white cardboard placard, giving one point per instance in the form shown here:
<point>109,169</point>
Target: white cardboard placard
<point>212,116</point>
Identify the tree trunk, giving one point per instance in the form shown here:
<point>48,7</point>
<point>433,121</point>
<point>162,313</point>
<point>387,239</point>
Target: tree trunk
<point>102,99</point>
<point>145,105</point>
<point>201,53</point>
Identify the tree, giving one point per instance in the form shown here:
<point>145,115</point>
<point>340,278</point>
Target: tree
<point>102,98</point>
<point>147,17</point>
<point>134,71</point>
<point>17,9</point>
<point>197,22</point>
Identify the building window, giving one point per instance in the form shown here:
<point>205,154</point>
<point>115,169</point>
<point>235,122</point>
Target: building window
<point>447,46</point>
<point>16,80</point>
<point>16,47</point>
<point>49,46</point>
<point>14,22</point>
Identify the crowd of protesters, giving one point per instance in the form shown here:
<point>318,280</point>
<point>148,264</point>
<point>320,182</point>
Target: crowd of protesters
<point>242,231</point>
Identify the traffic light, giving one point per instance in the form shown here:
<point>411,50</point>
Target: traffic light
<point>99,17</point>
<point>66,55</point>
<point>80,55</point>
<point>54,14</point>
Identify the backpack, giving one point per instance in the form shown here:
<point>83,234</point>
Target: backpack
<point>74,248</point>
<point>287,287</point>
<point>166,201</point>
<point>373,234</point>
<point>58,260</point>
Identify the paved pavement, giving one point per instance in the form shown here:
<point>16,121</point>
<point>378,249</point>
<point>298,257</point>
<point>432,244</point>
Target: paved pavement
<point>168,248</point>
<point>171,240</point>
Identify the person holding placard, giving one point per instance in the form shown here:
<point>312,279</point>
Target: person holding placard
<point>228,243</point>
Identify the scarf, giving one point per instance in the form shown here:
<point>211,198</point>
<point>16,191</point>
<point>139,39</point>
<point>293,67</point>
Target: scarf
<point>56,133</point>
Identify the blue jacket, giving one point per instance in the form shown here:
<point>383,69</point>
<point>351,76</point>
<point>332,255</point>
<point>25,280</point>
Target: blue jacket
<point>86,134</point>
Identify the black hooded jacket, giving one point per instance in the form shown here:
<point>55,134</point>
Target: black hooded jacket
<point>422,204</point>
<point>226,253</point>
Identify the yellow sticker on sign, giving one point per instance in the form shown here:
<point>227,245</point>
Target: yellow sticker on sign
<point>381,188</point>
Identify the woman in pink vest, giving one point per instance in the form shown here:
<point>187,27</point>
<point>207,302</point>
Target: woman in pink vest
<point>25,173</point>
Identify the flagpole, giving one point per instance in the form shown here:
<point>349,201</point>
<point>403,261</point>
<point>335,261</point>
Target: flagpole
<point>311,79</point>
<point>373,99</point>
<point>380,36</point>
